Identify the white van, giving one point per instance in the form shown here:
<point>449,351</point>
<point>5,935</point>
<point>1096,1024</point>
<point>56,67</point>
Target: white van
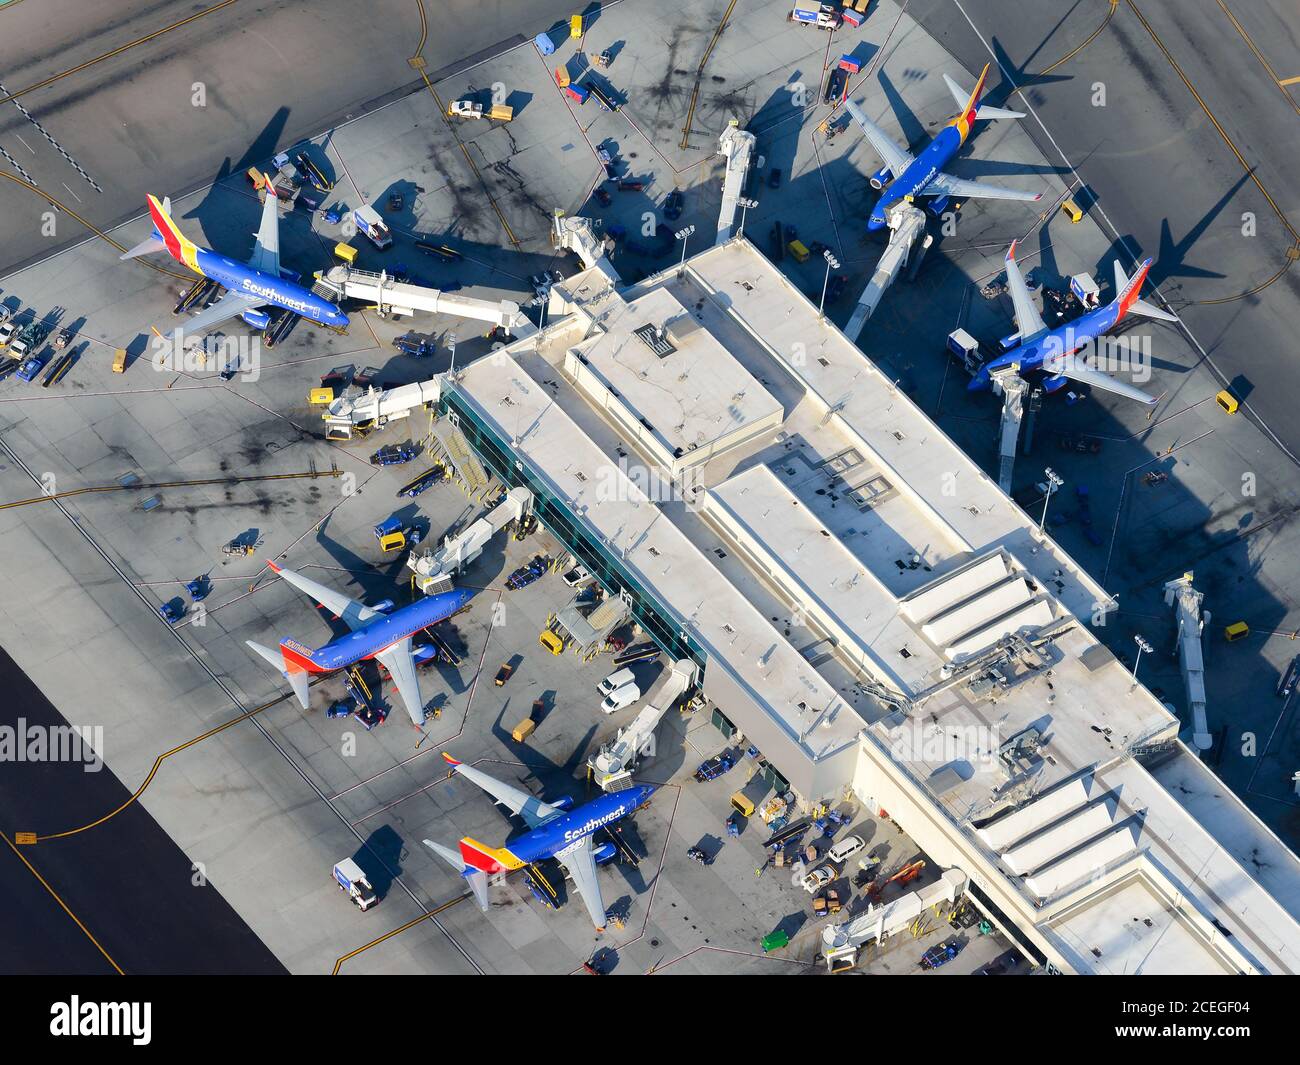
<point>845,849</point>
<point>620,698</point>
<point>615,681</point>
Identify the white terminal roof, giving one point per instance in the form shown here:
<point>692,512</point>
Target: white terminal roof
<point>692,396</point>
<point>869,512</point>
<point>734,635</point>
<point>966,510</point>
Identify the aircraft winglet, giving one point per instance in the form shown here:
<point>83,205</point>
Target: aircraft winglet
<point>449,759</point>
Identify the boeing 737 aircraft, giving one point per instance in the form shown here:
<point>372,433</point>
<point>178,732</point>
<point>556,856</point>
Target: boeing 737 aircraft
<point>248,286</point>
<point>1054,352</point>
<point>554,831</point>
<point>376,633</point>
<point>904,176</point>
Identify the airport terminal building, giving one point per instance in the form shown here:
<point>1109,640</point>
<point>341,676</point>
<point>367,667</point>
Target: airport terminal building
<point>869,610</point>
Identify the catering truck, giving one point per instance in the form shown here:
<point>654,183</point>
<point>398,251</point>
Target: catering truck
<point>353,881</point>
<point>369,223</point>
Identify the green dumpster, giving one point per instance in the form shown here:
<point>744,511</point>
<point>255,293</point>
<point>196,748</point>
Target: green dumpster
<point>775,941</point>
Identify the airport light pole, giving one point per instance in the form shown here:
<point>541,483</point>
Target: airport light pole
<point>684,235</point>
<point>1054,481</point>
<point>451,345</point>
<point>832,263</point>
<point>745,205</point>
<point>1142,646</point>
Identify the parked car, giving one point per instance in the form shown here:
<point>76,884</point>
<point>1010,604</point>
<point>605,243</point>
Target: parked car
<point>393,455</point>
<point>845,849</point>
<point>576,576</point>
<point>673,205</point>
<point>621,698</point>
<point>774,178</point>
<point>7,331</point>
<point>818,879</point>
<point>615,681</point>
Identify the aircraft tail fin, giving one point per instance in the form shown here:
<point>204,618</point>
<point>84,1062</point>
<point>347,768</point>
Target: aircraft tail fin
<point>294,674</point>
<point>969,103</point>
<point>476,878</point>
<point>168,234</point>
<point>1127,295</point>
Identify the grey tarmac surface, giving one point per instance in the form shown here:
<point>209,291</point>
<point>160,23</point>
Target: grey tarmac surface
<point>1168,184</point>
<point>269,805</point>
<point>270,74</point>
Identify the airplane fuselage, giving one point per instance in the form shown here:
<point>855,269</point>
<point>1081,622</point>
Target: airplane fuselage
<point>550,839</point>
<point>1063,340</point>
<point>243,279</point>
<point>922,170</point>
<point>381,632</point>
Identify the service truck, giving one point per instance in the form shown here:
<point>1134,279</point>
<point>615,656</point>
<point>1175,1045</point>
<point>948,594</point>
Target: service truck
<point>352,880</point>
<point>471,109</point>
<point>369,223</point>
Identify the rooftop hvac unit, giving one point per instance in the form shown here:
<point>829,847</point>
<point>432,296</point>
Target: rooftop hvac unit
<point>681,328</point>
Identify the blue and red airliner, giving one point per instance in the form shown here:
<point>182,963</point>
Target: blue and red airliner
<point>905,177</point>
<point>249,286</point>
<point>554,831</point>
<point>378,632</point>
<point>1058,356</point>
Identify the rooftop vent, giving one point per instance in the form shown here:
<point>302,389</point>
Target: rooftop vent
<point>656,339</point>
<point>682,327</point>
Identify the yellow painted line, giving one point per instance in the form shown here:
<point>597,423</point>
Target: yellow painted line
<point>1259,55</point>
<point>1295,236</point>
<point>89,225</point>
<point>118,51</point>
<point>1092,37</point>
<point>338,964</point>
<point>699,74</point>
<point>157,764</point>
<point>55,896</point>
<point>1289,81</point>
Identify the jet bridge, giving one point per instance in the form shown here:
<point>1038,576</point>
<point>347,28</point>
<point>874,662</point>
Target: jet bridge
<point>1186,602</point>
<point>738,146</point>
<point>373,409</point>
<point>906,224</point>
<point>840,943</point>
<point>612,765</point>
<point>1013,388</point>
<point>434,569</point>
<point>401,298</point>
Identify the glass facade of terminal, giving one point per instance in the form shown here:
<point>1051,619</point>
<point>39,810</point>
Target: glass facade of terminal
<point>554,512</point>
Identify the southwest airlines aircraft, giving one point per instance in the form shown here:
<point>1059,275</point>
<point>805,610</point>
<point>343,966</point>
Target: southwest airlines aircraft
<point>1053,352</point>
<point>376,633</point>
<point>554,831</point>
<point>249,286</point>
<point>904,176</point>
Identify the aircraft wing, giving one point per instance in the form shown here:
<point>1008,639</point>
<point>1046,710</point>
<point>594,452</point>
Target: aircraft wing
<point>231,305</point>
<point>353,612</point>
<point>947,185</point>
<point>1076,370</point>
<point>266,247</point>
<point>401,667</point>
<point>533,811</point>
<point>1028,320</point>
<point>580,864</point>
<point>893,156</point>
